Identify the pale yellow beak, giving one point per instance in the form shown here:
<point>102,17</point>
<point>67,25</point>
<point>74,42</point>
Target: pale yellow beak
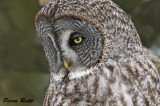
<point>66,64</point>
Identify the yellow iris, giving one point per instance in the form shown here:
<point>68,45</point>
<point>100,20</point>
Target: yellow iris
<point>78,40</point>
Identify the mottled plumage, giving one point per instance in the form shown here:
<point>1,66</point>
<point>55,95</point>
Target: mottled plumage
<point>109,68</point>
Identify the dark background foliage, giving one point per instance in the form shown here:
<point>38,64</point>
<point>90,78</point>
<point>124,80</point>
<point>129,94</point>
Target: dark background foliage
<point>24,70</point>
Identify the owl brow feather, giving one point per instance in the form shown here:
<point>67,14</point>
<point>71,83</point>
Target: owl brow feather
<point>53,10</point>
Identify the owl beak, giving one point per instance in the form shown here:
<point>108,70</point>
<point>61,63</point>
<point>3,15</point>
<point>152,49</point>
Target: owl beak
<point>66,64</point>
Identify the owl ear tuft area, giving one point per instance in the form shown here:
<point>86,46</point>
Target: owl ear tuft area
<point>42,24</point>
<point>41,19</point>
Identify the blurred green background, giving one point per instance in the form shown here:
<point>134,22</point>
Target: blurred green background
<point>24,70</point>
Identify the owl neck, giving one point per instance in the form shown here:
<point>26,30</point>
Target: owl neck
<point>108,85</point>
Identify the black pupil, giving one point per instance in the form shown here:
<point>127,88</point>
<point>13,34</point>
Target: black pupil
<point>78,39</point>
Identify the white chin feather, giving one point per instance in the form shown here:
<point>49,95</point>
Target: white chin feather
<point>75,73</point>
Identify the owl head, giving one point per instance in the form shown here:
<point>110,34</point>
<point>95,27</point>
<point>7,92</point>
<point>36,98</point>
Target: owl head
<point>79,36</point>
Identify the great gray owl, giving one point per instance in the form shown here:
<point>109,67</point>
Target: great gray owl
<point>95,56</point>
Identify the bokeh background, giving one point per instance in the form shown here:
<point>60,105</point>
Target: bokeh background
<point>24,70</point>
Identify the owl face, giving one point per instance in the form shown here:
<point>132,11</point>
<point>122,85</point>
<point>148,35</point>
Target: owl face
<point>73,45</point>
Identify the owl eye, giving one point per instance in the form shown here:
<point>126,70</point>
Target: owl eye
<point>78,40</point>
